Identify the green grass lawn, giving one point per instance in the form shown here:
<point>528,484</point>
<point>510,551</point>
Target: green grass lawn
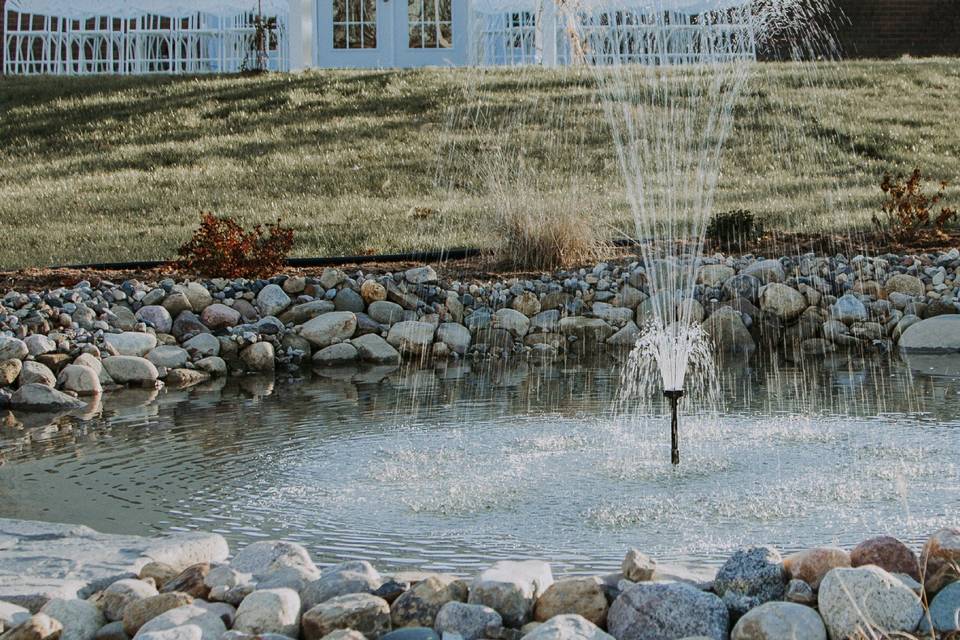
<point>111,169</point>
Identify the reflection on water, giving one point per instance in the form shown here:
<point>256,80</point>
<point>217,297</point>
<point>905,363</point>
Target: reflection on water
<point>450,468</point>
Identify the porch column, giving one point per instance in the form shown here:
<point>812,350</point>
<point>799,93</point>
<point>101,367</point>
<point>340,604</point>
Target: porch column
<point>301,34</point>
<point>547,32</point>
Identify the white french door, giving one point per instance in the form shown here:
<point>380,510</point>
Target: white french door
<point>391,33</point>
<point>354,33</point>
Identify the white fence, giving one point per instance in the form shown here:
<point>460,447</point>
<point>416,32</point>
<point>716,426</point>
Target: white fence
<point>78,37</point>
<point>109,39</point>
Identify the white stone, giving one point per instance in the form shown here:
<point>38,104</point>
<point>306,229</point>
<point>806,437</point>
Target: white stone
<point>866,598</point>
<point>82,380</point>
<point>411,337</point>
<point>938,334</point>
<point>373,348</point>
<point>118,595</point>
<point>510,588</point>
<point>130,343</point>
<point>80,619</point>
<point>782,301</point>
<point>272,300</point>
<point>169,356</point>
<point>131,370</point>
<point>511,320</point>
<point>329,328</point>
<point>269,611</point>
<point>37,372</point>
<point>210,624</point>
<point>38,344</point>
<point>568,627</point>
<point>455,336</point>
<point>12,349</point>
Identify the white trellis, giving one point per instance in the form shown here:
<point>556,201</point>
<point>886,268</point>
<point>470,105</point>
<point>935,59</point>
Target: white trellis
<point>66,37</point>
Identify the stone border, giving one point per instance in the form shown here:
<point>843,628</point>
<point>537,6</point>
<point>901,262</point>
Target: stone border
<point>58,346</point>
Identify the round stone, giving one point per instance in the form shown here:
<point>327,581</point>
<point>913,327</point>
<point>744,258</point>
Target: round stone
<point>813,564</point>
<point>854,600</point>
<point>751,577</point>
<point>782,301</point>
<point>667,611</point>
<point>905,284</point>
<point>888,553</point>
<point>779,620</point>
<point>372,291</point>
<point>582,596</point>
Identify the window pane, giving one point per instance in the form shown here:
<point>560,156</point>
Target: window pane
<point>339,36</point>
<point>430,24</point>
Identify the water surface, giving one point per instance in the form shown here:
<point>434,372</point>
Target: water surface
<point>451,468</point>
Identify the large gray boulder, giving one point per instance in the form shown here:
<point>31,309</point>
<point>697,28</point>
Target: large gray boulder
<point>411,337</point>
<point>780,620</point>
<point>121,593</point>
<point>782,301</point>
<point>80,379</point>
<point>728,332</point>
<point>470,621</point>
<point>455,336</point>
<point>940,334</point>
<point>766,271</point>
<point>267,559</point>
<point>854,600</point>
<point>210,624</point>
<point>511,320</point>
<point>130,343</point>
<point>269,611</point>
<point>944,611</point>
<point>374,349</point>
<point>131,370</point>
<point>80,618</point>
<point>667,611</point>
<point>357,576</point>
<point>362,612</point>
<point>419,605</point>
<point>40,397</point>
<point>272,300</point>
<point>12,349</point>
<point>511,588</point>
<point>328,328</point>
<point>568,627</point>
<point>751,577</point>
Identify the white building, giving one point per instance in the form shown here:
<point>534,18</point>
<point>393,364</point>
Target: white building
<point>215,36</point>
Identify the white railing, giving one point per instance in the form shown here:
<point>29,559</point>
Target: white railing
<point>546,32</point>
<point>138,44</point>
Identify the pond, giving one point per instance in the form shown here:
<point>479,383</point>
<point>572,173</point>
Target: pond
<point>448,469</point>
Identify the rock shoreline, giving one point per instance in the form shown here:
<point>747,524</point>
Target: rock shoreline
<point>273,590</point>
<point>58,346</point>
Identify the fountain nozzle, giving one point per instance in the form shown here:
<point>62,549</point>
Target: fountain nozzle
<point>674,395</point>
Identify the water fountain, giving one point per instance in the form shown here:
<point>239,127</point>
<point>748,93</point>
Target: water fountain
<point>669,77</point>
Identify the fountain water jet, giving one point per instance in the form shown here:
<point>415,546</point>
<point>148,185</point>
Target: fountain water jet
<point>670,118</point>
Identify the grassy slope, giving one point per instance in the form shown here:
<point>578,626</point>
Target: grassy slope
<point>113,169</point>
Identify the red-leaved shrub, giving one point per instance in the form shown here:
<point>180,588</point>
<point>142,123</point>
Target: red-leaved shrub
<point>220,247</point>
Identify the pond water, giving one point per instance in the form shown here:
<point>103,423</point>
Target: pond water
<point>451,468</point>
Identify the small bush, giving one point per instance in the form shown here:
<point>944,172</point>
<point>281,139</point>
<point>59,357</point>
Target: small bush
<point>908,213</point>
<point>220,247</point>
<point>539,241</point>
<point>733,228</point>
